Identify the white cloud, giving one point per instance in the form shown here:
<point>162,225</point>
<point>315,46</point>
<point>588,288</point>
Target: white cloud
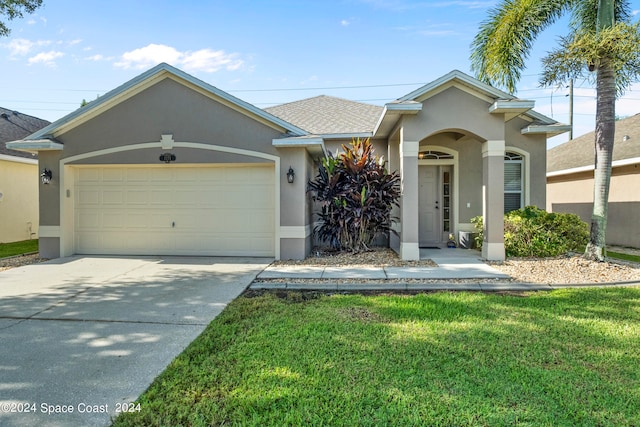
<point>98,57</point>
<point>47,58</point>
<point>210,61</point>
<point>345,23</point>
<point>206,60</point>
<point>21,47</point>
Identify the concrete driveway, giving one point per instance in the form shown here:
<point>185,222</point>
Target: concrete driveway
<point>82,337</point>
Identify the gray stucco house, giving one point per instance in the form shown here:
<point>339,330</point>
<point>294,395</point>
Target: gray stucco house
<point>168,164</point>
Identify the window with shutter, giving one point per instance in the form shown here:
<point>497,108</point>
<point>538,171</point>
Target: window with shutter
<point>513,188</point>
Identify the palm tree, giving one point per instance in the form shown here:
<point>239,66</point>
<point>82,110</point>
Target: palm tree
<point>601,39</point>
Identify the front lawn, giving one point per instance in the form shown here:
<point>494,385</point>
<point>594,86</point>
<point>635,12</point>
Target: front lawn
<point>623,256</point>
<point>559,358</point>
<point>18,248</point>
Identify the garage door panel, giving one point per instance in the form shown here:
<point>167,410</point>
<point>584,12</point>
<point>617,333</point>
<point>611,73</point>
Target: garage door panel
<point>136,175</point>
<point>87,197</point>
<point>112,197</point>
<point>169,210</point>
<point>161,174</point>
<point>112,175</point>
<point>161,197</point>
<point>136,197</point>
<point>185,197</point>
<point>116,220</point>
<point>89,175</point>
<point>89,220</point>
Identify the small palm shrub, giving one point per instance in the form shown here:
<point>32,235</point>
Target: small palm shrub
<point>533,232</point>
<point>356,194</point>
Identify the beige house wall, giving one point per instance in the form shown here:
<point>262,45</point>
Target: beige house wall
<point>573,193</point>
<point>578,187</point>
<point>19,202</point>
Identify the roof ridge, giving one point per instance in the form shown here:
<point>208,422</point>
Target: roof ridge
<point>320,96</point>
<point>21,114</point>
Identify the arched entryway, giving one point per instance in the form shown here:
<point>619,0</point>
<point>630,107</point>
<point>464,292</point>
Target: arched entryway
<point>437,192</point>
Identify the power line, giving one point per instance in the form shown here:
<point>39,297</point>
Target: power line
<point>326,88</point>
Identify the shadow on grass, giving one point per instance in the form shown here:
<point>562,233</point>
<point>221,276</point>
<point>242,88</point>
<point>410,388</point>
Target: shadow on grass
<point>557,358</point>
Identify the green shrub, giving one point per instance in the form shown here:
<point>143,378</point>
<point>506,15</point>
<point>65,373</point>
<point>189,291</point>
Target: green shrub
<point>533,232</point>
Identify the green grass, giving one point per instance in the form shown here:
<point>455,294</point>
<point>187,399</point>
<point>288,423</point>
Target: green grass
<point>626,257</point>
<point>18,248</point>
<point>561,358</point>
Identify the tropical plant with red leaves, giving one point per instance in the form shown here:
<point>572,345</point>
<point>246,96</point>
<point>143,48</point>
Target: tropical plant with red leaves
<point>355,194</point>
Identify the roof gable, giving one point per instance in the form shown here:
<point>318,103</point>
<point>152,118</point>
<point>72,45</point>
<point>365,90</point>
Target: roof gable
<point>474,87</point>
<point>147,79</point>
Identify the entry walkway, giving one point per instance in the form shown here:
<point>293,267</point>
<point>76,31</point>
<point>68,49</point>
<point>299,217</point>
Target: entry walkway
<point>452,264</point>
<point>457,269</point>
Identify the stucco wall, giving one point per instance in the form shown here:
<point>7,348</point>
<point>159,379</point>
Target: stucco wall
<point>578,187</point>
<point>454,109</point>
<point>574,194</point>
<point>19,203</point>
<point>169,108</point>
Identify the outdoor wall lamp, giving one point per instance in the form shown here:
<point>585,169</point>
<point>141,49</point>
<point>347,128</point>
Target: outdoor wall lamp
<point>290,175</point>
<point>46,176</point>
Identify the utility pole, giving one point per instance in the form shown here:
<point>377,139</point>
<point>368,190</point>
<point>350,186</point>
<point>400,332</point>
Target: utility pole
<point>571,109</point>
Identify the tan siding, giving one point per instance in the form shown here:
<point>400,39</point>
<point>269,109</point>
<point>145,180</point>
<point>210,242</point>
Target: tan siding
<point>19,204</point>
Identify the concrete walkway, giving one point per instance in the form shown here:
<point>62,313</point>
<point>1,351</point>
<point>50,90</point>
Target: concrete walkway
<point>453,264</point>
<point>457,269</point>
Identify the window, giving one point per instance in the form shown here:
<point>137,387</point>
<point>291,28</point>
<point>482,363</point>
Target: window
<point>446,202</point>
<point>513,185</point>
<point>434,155</point>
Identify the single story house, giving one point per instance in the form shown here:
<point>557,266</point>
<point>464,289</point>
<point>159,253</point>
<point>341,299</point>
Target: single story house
<point>570,181</point>
<point>168,164</point>
<point>18,178</point>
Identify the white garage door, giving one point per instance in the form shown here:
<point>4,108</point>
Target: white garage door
<point>174,210</point>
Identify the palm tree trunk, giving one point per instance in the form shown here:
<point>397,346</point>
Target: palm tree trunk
<point>605,132</point>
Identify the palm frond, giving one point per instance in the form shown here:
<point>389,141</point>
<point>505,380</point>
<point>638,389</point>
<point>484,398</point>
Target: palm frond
<point>503,43</point>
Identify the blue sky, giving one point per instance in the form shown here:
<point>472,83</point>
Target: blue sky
<point>264,52</point>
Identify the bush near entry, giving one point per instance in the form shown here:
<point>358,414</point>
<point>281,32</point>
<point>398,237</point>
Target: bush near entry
<point>534,232</point>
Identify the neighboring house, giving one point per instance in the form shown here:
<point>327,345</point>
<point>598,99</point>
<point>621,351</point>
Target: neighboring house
<point>18,179</point>
<point>168,164</point>
<point>570,169</point>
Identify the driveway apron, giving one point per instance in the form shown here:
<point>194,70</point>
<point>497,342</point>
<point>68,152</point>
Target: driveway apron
<point>82,337</point>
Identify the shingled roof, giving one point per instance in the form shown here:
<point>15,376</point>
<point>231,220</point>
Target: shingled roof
<point>14,126</point>
<point>324,115</point>
<point>579,152</point>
